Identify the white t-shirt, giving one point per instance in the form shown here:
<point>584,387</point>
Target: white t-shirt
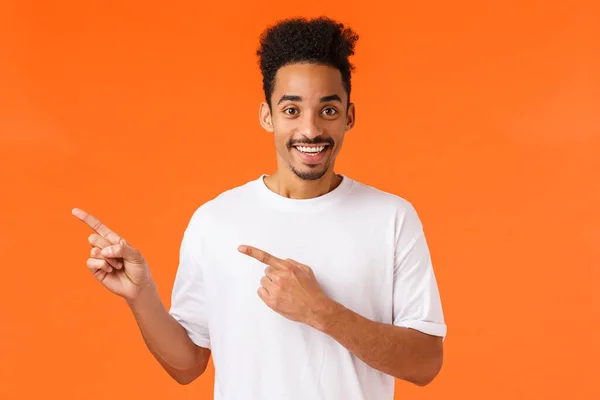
<point>368,252</point>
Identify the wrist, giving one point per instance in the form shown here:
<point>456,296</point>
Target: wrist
<point>143,293</point>
<point>325,314</point>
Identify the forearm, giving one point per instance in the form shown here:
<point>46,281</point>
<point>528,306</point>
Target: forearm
<point>401,352</point>
<point>166,339</point>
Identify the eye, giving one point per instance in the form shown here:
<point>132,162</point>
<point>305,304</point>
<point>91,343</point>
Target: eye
<point>290,111</point>
<point>329,111</point>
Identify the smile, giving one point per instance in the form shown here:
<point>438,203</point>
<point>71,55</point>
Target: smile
<point>311,150</point>
<point>311,154</point>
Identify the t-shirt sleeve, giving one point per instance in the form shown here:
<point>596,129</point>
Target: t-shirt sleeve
<point>417,302</point>
<point>188,298</point>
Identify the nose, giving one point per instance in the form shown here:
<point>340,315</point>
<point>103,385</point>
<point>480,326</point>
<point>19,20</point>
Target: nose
<point>309,126</point>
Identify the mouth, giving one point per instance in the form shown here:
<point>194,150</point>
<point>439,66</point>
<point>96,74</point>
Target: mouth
<point>311,154</point>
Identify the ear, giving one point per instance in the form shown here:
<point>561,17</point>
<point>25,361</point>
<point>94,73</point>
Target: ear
<point>350,116</point>
<point>264,115</point>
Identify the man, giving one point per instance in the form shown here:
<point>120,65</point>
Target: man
<point>303,284</point>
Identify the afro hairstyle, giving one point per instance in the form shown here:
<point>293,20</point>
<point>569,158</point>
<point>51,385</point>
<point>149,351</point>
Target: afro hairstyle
<point>320,41</point>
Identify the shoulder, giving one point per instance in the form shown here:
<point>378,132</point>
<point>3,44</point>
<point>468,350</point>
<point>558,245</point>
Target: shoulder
<point>220,205</point>
<point>393,208</point>
<point>371,196</point>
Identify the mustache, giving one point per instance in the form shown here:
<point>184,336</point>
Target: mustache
<point>316,140</point>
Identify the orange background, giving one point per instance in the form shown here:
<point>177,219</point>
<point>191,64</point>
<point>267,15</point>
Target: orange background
<point>485,115</point>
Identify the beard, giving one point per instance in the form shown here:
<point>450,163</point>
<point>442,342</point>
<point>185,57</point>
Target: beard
<point>309,175</point>
<point>312,173</point>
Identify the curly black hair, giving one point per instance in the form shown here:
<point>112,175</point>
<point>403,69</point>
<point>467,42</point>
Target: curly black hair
<point>320,41</point>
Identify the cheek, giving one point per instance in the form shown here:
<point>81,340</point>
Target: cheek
<point>282,127</point>
<point>339,135</point>
<point>282,132</point>
<point>338,147</point>
<point>281,139</point>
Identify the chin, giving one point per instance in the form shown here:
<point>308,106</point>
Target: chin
<point>309,174</point>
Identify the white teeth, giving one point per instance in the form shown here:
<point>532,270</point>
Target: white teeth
<point>311,149</point>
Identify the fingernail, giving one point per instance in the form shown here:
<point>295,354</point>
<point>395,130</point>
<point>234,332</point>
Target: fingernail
<point>110,269</point>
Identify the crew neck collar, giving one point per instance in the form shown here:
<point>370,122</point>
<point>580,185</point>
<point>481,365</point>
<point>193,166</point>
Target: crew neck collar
<point>326,200</point>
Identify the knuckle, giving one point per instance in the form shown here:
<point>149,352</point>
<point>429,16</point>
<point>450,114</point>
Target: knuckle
<point>274,302</point>
<point>93,263</point>
<point>107,250</point>
<point>138,256</point>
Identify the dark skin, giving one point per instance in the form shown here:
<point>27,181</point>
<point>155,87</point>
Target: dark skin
<point>309,105</point>
<point>122,269</point>
<point>309,102</point>
<point>291,289</point>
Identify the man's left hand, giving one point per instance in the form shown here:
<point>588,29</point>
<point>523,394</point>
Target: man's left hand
<point>290,288</point>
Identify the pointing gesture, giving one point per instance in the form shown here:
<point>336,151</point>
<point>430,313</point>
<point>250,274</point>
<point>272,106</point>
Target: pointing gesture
<point>97,226</point>
<point>290,288</point>
<point>262,256</point>
<point>116,264</point>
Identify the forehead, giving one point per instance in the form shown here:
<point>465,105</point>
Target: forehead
<point>310,81</point>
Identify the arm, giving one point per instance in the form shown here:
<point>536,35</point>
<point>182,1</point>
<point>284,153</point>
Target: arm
<point>410,348</point>
<point>166,338</point>
<point>122,270</point>
<point>404,353</point>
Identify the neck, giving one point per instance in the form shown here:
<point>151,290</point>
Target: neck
<point>287,184</point>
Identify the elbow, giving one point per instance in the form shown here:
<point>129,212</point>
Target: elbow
<point>189,375</point>
<point>428,374</point>
<point>185,378</point>
<point>424,380</point>
<point>184,382</point>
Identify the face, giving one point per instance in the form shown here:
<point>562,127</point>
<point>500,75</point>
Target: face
<point>309,117</point>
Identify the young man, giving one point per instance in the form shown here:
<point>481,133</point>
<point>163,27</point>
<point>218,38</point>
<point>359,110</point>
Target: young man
<point>303,284</point>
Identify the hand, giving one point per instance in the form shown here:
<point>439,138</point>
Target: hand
<point>114,262</point>
<point>290,288</point>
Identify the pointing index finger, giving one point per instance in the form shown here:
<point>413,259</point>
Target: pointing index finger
<point>96,225</point>
<point>260,255</point>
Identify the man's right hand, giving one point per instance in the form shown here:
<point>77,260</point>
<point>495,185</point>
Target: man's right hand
<point>114,262</point>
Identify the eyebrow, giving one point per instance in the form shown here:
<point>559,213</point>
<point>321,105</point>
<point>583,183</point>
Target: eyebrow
<point>288,97</point>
